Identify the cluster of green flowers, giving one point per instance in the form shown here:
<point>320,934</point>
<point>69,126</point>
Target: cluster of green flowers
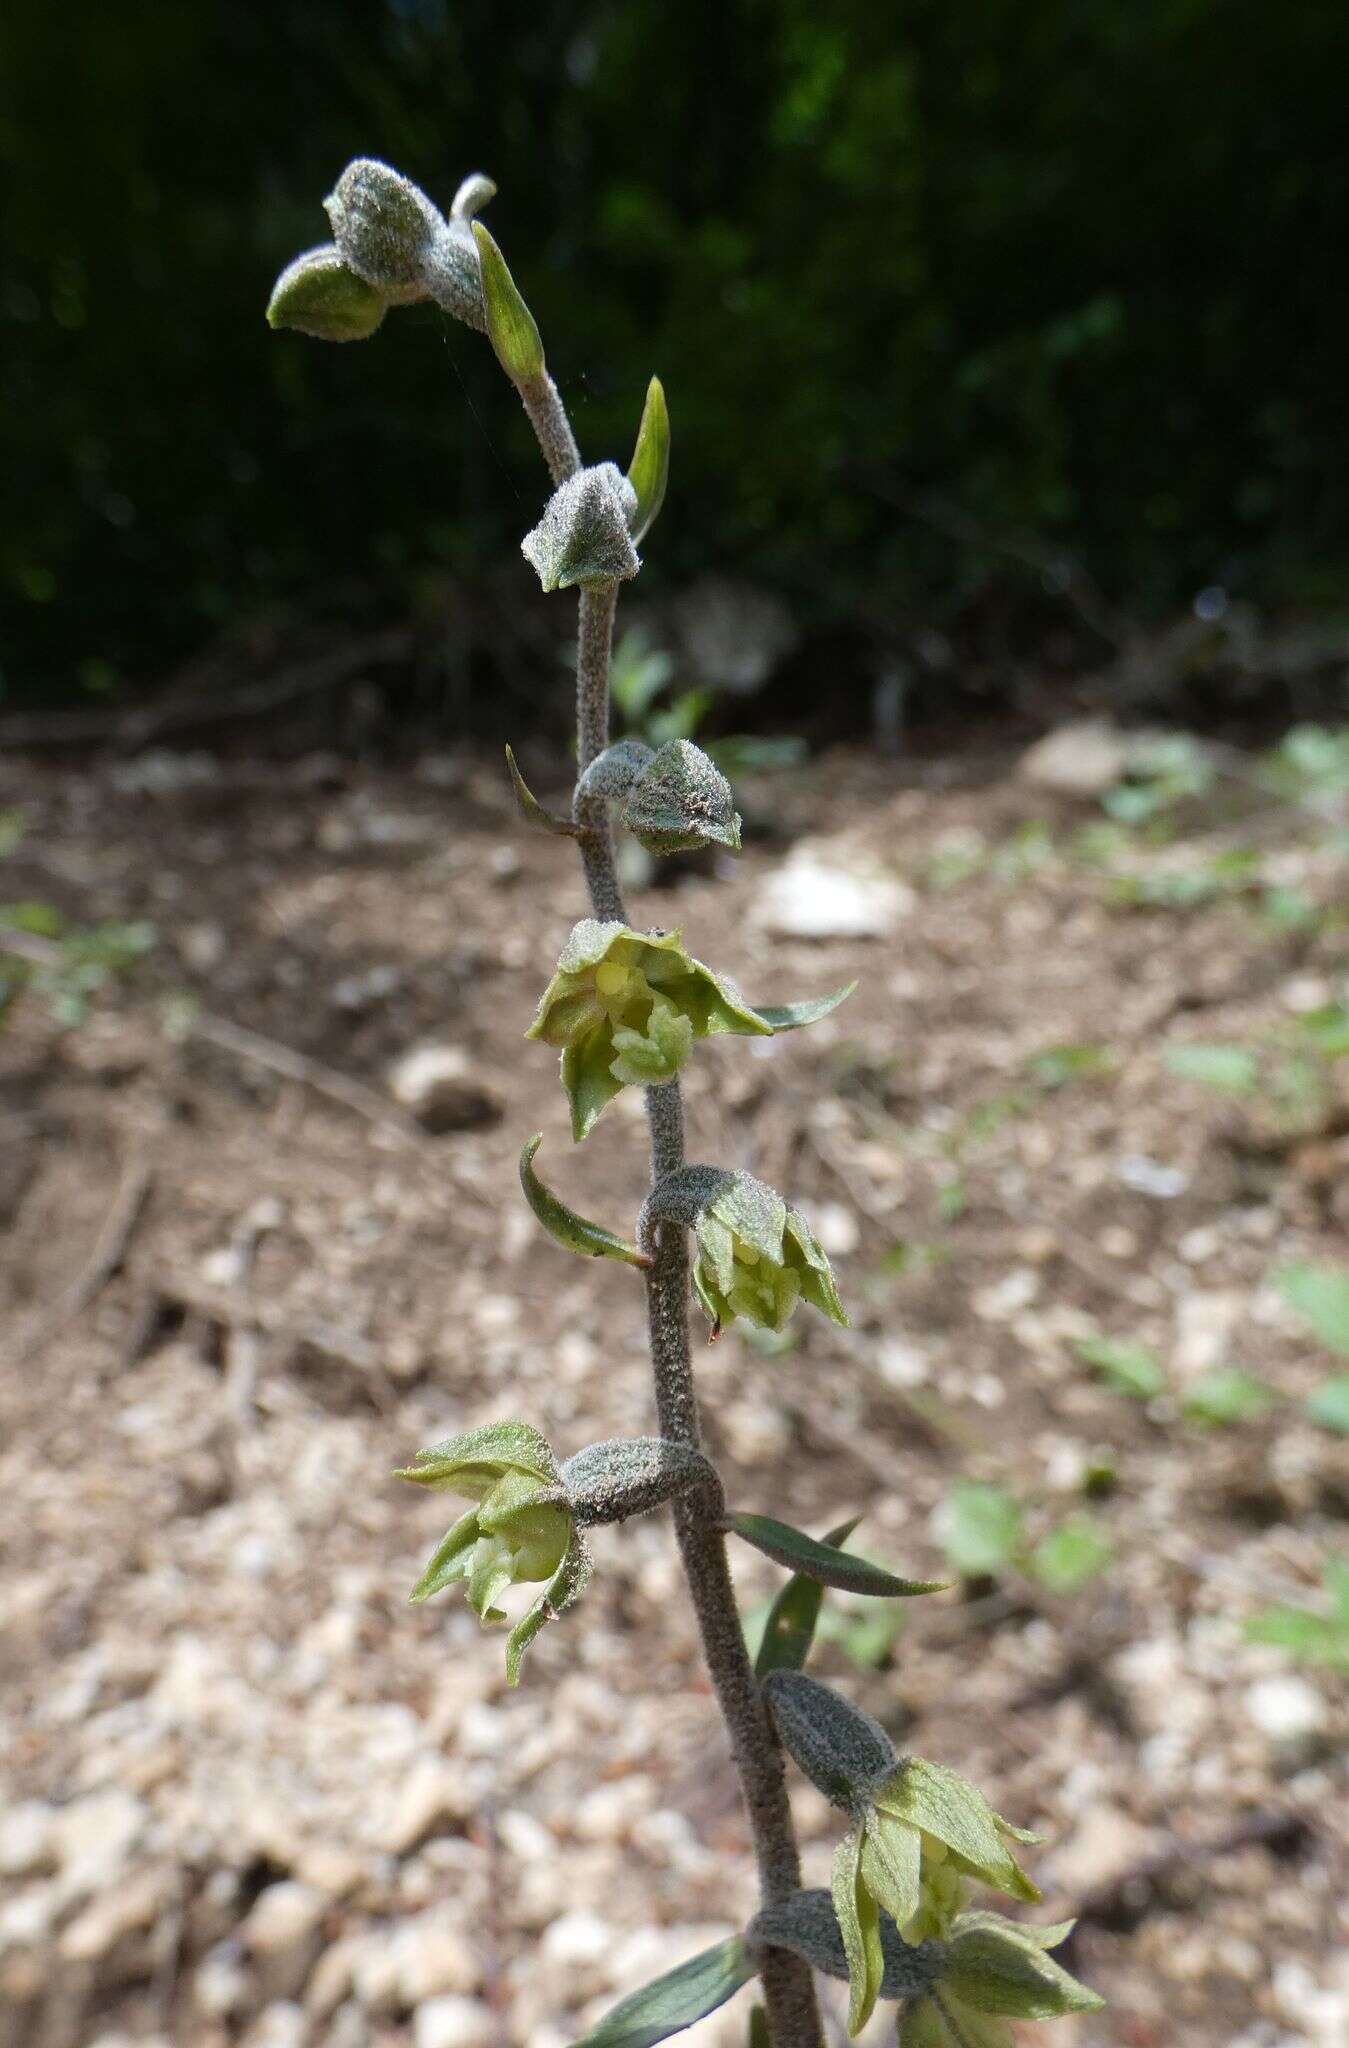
<point>920,1833</point>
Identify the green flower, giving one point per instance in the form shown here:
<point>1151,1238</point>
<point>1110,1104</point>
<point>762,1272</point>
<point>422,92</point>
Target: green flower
<point>757,1258</point>
<point>521,1531</point>
<point>626,1007</point>
<point>993,1970</point>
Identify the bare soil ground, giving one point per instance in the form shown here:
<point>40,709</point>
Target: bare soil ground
<point>251,1795</point>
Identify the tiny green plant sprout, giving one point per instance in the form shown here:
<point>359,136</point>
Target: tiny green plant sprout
<point>626,1007</point>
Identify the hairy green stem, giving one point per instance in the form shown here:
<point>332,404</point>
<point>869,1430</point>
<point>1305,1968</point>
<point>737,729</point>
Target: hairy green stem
<point>787,1984</point>
<point>788,1987</point>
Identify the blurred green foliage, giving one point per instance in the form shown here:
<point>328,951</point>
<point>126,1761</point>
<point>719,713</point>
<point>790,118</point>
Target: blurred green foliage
<point>1070,268</point>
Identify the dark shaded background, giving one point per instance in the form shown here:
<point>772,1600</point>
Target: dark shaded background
<point>944,296</point>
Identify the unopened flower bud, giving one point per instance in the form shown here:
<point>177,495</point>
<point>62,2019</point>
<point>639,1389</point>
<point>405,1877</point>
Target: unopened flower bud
<point>583,537</point>
<point>385,228</point>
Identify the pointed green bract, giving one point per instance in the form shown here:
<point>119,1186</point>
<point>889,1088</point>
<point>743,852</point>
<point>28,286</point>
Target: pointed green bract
<point>859,1924</point>
<point>675,2001</point>
<point>822,1561</point>
<point>575,1233</point>
<point>532,809</point>
<point>472,1463</point>
<point>792,1619</point>
<point>997,1966</point>
<point>510,324</point>
<point>649,469</point>
<point>318,295</point>
<point>940,1803</point>
<point>942,2021</point>
<point>791,1016</point>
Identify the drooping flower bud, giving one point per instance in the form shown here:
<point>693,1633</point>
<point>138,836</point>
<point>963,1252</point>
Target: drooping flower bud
<point>681,801</point>
<point>522,1529</point>
<point>625,1007</point>
<point>755,1257</point>
<point>318,295</point>
<point>583,537</point>
<point>385,228</point>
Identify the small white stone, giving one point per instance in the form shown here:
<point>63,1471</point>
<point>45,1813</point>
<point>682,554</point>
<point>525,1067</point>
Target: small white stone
<point>814,897</point>
<point>27,1838</point>
<point>901,1364</point>
<point>835,1226</point>
<point>1287,1709</point>
<point>578,1938</point>
<point>1084,758</point>
<point>455,2023</point>
<point>437,1085</point>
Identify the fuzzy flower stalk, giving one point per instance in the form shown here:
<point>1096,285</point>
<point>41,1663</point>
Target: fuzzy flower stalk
<point>628,1006</point>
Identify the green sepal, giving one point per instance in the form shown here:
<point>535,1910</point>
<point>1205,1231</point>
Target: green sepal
<point>841,1750</point>
<point>318,295</point>
<point>574,1233</point>
<point>892,1857</point>
<point>472,1463</point>
<point>649,470</point>
<point>1004,1970</point>
<point>832,1567</point>
<point>673,2002</point>
<point>939,1802</point>
<point>532,810</point>
<point>940,2021</point>
<point>442,1570</point>
<point>860,1925</point>
<point>511,327</point>
<point>565,1586</point>
<point>794,1615</point>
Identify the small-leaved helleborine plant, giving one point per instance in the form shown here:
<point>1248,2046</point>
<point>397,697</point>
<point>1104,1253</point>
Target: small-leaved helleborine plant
<point>625,1007</point>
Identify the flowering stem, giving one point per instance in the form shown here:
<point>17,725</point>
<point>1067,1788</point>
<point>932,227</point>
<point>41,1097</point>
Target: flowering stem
<point>787,1984</point>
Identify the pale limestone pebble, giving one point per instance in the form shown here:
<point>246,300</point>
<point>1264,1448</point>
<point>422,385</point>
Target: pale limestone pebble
<point>578,1948</point>
<point>454,2022</point>
<point>902,1363</point>
<point>432,1796</point>
<point>670,1840</point>
<point>1287,1709</point>
<point>1005,1298</point>
<point>95,1837</point>
<point>279,2025</point>
<point>1104,1846</point>
<point>334,1975</point>
<point>438,1085</point>
<point>1320,2006</point>
<point>756,1434</point>
<point>221,1984</point>
<point>1206,1322</point>
<point>826,891</point>
<point>28,1838</point>
<point>28,1916</point>
<point>132,1907</point>
<point>607,1812</point>
<point>282,1934</point>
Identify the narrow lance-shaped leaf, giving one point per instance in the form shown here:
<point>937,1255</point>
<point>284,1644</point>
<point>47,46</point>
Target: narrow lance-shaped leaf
<point>792,1619</point>
<point>649,470</point>
<point>532,810</point>
<point>511,328</point>
<point>675,2001</point>
<point>822,1561</point>
<point>575,1233</point>
<point>791,1016</point>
